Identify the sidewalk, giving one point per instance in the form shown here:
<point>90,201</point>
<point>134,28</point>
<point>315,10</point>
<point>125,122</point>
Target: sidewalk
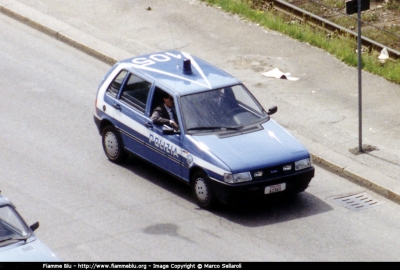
<point>330,127</point>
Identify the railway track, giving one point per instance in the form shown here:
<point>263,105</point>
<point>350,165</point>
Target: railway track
<point>329,26</point>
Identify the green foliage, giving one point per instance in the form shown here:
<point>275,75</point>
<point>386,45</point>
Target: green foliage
<point>369,17</point>
<point>393,4</point>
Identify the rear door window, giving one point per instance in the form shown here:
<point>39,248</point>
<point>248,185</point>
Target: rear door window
<point>135,92</point>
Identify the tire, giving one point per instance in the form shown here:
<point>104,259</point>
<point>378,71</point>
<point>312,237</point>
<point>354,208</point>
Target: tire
<point>112,145</point>
<point>203,191</point>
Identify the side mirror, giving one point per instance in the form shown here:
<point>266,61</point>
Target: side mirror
<point>272,110</point>
<point>34,226</point>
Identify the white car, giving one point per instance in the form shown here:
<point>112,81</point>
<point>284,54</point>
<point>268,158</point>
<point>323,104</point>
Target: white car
<point>18,243</point>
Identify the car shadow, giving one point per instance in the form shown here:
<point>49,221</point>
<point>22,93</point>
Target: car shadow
<point>273,210</point>
<point>158,177</point>
<point>268,211</point>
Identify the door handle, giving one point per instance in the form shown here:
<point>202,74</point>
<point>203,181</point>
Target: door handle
<point>117,106</point>
<point>148,124</point>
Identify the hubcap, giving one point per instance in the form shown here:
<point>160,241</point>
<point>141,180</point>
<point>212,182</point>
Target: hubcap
<point>111,144</point>
<point>201,190</point>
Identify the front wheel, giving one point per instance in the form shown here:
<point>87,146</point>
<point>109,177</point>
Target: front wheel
<point>112,145</point>
<point>203,191</point>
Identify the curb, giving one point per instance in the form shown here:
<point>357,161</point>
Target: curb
<point>94,47</point>
<point>355,178</point>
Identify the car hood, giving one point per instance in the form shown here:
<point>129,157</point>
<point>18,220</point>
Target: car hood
<point>34,251</point>
<point>270,146</point>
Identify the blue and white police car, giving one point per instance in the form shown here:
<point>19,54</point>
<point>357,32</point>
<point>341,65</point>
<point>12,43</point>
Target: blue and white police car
<point>224,144</point>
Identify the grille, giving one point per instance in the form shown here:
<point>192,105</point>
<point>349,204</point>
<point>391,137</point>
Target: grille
<point>271,172</point>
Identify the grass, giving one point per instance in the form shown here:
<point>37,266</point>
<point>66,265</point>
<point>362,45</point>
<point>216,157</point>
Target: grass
<point>393,4</point>
<point>342,47</point>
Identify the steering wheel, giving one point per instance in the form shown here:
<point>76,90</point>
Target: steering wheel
<point>231,113</point>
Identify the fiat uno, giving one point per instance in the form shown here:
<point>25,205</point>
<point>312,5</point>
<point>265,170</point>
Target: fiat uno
<point>224,145</point>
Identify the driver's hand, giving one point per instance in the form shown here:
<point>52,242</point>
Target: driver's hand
<point>174,125</point>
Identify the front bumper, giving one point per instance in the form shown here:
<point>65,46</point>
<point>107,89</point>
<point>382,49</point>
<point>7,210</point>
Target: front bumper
<point>248,191</point>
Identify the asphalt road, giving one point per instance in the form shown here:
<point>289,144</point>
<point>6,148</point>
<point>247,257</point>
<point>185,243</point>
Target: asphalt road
<point>54,170</point>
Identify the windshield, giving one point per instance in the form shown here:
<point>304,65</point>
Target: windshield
<point>12,227</point>
<point>226,108</point>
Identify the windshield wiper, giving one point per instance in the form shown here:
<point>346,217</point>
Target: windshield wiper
<point>14,238</point>
<point>214,127</point>
<point>6,239</point>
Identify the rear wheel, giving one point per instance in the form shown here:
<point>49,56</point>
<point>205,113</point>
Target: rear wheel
<point>112,145</point>
<point>203,191</point>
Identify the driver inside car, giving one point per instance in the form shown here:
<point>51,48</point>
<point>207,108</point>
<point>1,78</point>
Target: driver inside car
<point>165,113</point>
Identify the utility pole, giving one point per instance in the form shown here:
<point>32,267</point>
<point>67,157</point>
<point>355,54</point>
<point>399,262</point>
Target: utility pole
<point>356,6</point>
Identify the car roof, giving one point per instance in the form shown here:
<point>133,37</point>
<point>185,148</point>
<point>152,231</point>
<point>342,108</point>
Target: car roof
<point>180,72</point>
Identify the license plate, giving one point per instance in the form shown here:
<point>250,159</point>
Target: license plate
<point>275,188</point>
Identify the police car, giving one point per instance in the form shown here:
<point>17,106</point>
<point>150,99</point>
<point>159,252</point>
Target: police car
<point>18,243</point>
<point>224,144</point>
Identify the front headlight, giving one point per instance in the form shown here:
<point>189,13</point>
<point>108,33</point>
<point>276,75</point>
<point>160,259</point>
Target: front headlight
<point>302,164</point>
<point>237,177</point>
